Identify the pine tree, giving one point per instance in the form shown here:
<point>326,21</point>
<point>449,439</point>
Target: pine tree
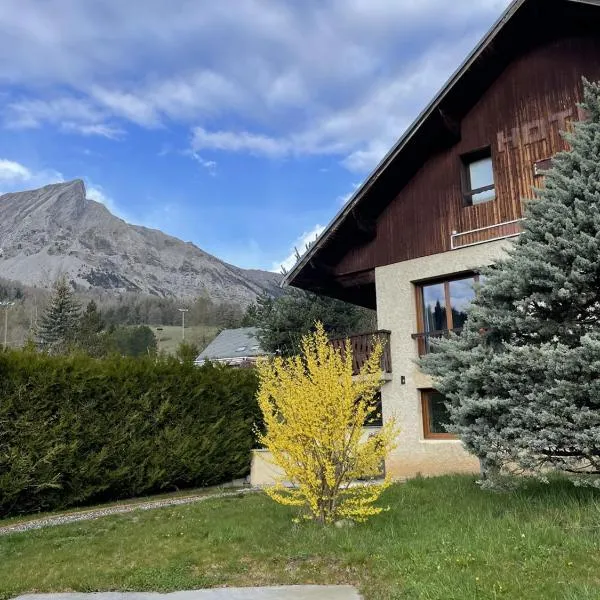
<point>523,378</point>
<point>60,323</point>
<point>91,321</point>
<point>91,328</point>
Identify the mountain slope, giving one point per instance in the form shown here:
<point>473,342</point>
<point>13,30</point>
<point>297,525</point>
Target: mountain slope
<point>56,230</point>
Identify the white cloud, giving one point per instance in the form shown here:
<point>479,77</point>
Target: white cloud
<point>335,77</point>
<point>16,177</point>
<point>300,245</point>
<point>99,129</point>
<point>31,113</point>
<point>209,165</point>
<point>359,134</point>
<point>96,193</point>
<point>13,171</point>
<point>72,115</point>
<point>241,141</point>
<point>343,199</point>
<point>128,106</point>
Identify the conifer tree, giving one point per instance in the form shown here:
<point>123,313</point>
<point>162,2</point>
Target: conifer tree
<point>91,336</point>
<point>59,325</point>
<point>523,378</point>
<point>285,320</point>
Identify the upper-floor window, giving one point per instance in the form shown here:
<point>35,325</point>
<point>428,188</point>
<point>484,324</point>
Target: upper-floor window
<point>478,177</point>
<point>541,167</point>
<point>443,308</point>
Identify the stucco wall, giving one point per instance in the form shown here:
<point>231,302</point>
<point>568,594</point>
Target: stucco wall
<point>264,472</point>
<point>397,311</point>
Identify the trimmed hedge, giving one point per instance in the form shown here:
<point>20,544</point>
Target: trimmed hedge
<point>75,430</point>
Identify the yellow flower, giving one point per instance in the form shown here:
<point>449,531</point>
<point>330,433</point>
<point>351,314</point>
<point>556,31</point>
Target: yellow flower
<point>314,412</point>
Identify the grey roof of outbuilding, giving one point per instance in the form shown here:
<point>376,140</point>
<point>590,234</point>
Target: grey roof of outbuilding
<point>233,343</point>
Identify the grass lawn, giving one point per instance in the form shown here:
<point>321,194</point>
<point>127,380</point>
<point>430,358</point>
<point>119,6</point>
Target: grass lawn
<point>169,337</point>
<point>441,539</point>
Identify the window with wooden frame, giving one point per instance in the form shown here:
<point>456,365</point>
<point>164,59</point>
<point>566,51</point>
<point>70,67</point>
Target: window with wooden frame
<point>478,177</point>
<point>441,308</point>
<point>435,416</point>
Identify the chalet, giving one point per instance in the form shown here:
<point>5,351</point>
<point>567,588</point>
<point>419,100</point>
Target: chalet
<point>447,199</point>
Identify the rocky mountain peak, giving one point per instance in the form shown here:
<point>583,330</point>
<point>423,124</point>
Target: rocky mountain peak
<point>55,230</point>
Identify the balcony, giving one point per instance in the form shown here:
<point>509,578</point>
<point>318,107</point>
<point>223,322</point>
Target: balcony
<point>362,348</point>
<point>424,338</point>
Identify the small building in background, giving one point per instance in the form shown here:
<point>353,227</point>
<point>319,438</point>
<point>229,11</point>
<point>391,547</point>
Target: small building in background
<point>234,347</point>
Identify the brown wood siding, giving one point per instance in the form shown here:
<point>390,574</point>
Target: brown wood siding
<point>532,91</point>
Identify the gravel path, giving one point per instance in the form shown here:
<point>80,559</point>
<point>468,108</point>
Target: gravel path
<point>295,592</point>
<point>89,515</point>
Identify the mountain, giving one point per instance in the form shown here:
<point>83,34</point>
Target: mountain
<point>56,230</point>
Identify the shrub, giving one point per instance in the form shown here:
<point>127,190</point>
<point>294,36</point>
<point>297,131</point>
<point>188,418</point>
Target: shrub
<point>75,430</point>
<point>314,412</point>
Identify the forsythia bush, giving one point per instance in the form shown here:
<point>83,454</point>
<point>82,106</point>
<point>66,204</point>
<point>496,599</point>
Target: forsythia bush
<point>75,429</point>
<point>314,413</point>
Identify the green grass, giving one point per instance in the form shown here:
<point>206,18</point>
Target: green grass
<point>170,336</point>
<point>441,539</point>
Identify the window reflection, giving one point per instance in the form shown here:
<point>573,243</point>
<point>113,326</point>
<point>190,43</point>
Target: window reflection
<point>436,414</point>
<point>478,177</point>
<point>444,309</point>
<point>434,300</point>
<point>462,294</point>
<point>439,416</point>
<point>481,173</point>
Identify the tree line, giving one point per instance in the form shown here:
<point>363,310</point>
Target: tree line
<point>99,323</point>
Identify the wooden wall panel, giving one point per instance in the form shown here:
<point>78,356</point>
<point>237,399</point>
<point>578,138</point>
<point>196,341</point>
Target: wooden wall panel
<point>519,116</point>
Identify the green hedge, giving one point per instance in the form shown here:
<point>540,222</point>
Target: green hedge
<point>75,430</point>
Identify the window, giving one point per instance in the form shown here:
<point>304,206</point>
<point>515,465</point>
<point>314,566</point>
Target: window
<point>443,308</point>
<point>478,177</point>
<point>541,167</point>
<point>376,419</point>
<point>435,415</point>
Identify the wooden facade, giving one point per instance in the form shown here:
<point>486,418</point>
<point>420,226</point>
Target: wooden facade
<point>520,118</point>
<point>515,99</point>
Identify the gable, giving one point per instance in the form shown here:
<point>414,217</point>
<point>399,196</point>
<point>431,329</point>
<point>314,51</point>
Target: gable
<point>513,96</point>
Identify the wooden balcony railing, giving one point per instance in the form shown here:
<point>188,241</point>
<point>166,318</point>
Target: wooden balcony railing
<point>424,338</point>
<point>362,347</point>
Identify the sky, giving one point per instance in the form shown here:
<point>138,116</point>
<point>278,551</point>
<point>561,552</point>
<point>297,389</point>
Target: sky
<point>240,125</point>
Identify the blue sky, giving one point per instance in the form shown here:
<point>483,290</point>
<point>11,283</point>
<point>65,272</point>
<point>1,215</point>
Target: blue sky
<point>240,125</point>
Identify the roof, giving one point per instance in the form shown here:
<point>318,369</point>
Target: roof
<point>232,344</point>
<point>488,49</point>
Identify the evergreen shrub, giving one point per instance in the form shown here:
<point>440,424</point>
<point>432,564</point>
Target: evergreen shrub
<point>76,430</point>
